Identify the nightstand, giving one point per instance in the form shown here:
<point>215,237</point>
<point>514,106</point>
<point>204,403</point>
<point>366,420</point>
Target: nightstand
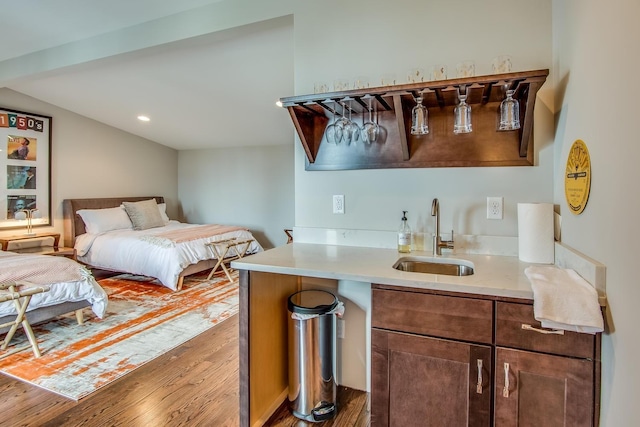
<point>54,250</point>
<point>48,250</point>
<point>4,241</point>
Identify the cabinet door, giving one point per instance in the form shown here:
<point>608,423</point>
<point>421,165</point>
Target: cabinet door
<point>534,389</point>
<point>423,381</point>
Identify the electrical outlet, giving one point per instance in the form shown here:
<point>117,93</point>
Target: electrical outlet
<point>340,328</point>
<point>494,208</point>
<point>338,203</point>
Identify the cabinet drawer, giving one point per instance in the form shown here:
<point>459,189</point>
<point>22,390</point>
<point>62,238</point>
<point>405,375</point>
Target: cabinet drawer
<point>509,333</point>
<point>458,318</point>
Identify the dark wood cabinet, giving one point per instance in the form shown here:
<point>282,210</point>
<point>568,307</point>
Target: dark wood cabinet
<point>431,360</point>
<point>396,147</point>
<point>423,381</point>
<point>544,377</point>
<point>476,361</point>
<point>536,389</point>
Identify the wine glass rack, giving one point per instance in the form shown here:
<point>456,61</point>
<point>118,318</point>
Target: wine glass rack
<point>397,148</point>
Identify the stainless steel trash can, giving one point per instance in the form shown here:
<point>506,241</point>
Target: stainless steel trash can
<point>312,385</point>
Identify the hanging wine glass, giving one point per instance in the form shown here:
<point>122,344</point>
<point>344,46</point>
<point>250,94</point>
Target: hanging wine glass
<point>419,118</point>
<point>509,113</point>
<point>330,131</point>
<point>340,125</point>
<point>351,129</point>
<point>370,129</point>
<point>462,116</point>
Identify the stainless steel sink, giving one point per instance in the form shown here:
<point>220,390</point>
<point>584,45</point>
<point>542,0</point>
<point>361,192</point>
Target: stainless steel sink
<point>449,267</point>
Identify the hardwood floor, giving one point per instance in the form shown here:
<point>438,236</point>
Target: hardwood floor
<point>352,411</point>
<point>195,384</point>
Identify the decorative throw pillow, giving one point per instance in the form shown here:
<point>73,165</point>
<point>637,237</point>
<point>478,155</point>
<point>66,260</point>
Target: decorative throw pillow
<point>144,214</point>
<point>162,207</point>
<point>98,221</point>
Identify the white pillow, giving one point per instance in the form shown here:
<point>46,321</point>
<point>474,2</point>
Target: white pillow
<point>162,207</point>
<point>144,214</point>
<point>98,221</point>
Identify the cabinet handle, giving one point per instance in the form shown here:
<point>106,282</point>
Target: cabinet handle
<point>542,331</point>
<point>479,384</point>
<point>505,389</point>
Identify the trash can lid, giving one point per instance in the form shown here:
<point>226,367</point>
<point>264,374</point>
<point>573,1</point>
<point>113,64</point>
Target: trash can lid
<point>312,301</point>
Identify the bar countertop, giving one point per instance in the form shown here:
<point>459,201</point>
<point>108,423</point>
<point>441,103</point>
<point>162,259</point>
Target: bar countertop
<point>501,276</point>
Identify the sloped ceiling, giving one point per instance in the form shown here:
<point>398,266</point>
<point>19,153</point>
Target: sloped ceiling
<point>213,90</point>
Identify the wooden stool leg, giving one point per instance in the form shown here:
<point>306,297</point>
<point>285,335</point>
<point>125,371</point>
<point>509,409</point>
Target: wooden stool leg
<point>21,319</point>
<point>21,308</point>
<point>32,338</point>
<point>9,336</point>
<point>80,317</point>
<point>26,326</point>
<point>21,300</point>
<point>215,268</point>
<point>226,271</point>
<point>220,259</point>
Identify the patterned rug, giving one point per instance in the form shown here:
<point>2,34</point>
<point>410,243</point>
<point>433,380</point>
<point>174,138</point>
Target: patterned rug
<point>144,320</point>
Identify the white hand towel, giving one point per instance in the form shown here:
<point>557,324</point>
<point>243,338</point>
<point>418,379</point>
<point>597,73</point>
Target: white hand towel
<point>564,300</point>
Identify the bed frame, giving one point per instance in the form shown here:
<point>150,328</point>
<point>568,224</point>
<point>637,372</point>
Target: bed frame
<point>74,226</point>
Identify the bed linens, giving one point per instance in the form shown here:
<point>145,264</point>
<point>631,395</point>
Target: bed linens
<point>100,220</point>
<point>38,270</point>
<point>139,252</point>
<point>69,281</point>
<point>144,214</point>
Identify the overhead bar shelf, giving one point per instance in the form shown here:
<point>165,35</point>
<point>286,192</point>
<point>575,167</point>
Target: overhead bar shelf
<point>397,148</point>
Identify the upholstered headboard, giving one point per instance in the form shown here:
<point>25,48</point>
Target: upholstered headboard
<point>73,224</point>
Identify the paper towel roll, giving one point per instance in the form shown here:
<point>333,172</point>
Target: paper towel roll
<point>535,233</point>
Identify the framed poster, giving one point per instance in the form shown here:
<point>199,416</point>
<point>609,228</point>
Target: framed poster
<point>25,159</point>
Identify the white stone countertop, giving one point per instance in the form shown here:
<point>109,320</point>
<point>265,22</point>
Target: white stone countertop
<point>494,275</point>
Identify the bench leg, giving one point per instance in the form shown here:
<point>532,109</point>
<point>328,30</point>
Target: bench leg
<point>80,317</point>
<point>32,338</point>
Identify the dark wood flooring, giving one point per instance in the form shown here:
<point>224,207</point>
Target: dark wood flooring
<point>195,384</point>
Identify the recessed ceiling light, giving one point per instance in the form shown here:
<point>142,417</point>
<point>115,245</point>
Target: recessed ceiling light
<point>144,118</point>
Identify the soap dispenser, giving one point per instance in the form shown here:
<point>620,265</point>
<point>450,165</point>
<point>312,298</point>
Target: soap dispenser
<point>404,235</point>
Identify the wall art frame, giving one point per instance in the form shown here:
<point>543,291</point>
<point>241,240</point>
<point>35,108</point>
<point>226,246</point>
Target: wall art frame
<point>25,161</point>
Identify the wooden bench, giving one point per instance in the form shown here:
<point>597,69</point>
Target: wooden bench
<point>221,248</point>
<point>21,299</point>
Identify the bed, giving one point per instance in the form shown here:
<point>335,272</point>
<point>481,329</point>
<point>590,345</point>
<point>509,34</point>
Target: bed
<point>71,287</point>
<point>167,252</point>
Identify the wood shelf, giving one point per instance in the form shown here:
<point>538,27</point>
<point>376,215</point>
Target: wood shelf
<point>397,148</point>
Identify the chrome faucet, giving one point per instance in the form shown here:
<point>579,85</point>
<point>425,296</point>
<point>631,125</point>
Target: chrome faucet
<point>438,243</point>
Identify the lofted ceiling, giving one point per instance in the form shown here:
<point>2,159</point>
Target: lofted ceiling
<point>213,89</point>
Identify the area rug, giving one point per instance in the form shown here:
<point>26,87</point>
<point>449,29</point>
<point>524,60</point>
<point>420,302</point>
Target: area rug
<point>144,320</point>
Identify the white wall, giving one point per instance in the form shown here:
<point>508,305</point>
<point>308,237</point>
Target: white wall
<point>246,186</point>
<point>596,61</point>
<point>337,39</point>
<point>90,159</point>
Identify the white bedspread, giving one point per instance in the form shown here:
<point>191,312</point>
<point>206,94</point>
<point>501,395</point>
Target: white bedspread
<point>84,287</point>
<point>133,252</point>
